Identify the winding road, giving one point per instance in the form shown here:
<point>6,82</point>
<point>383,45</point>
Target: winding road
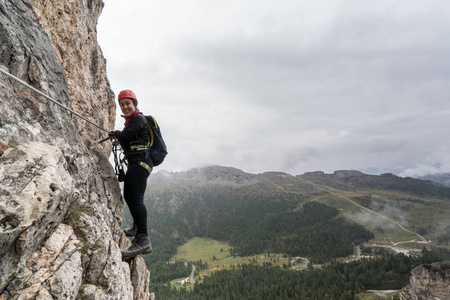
<point>302,266</point>
<point>192,274</point>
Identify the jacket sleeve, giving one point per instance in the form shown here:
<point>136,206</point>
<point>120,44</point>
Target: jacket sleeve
<point>131,130</point>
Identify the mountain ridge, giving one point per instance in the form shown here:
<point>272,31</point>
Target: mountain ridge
<point>341,178</point>
<point>441,178</point>
<point>400,199</point>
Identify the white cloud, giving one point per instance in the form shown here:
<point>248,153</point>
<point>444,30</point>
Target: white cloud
<point>297,87</point>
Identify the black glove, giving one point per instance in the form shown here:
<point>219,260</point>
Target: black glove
<point>111,135</point>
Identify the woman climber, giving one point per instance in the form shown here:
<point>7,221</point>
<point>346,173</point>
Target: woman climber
<point>134,140</point>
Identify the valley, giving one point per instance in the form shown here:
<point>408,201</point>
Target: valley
<point>220,220</point>
<point>214,256</point>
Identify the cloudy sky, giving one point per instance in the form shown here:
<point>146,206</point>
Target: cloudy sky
<point>292,86</point>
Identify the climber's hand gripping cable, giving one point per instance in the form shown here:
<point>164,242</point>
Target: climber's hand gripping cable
<point>111,136</point>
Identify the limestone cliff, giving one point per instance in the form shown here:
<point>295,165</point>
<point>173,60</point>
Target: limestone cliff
<point>60,204</point>
<point>429,282</point>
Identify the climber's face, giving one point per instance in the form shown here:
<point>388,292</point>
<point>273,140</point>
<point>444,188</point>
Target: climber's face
<point>127,106</point>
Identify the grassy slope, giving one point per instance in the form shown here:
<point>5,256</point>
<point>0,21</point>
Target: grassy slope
<point>412,203</point>
<point>386,208</point>
<point>395,207</point>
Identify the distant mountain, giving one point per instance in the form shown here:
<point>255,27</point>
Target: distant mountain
<point>350,180</point>
<point>441,178</point>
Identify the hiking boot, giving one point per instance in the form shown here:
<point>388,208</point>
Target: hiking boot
<point>131,231</point>
<point>140,245</point>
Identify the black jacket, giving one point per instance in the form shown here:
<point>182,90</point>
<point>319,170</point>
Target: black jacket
<point>134,133</point>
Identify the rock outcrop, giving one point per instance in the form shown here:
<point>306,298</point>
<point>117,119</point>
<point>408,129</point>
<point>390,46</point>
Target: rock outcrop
<point>60,204</point>
<point>429,282</point>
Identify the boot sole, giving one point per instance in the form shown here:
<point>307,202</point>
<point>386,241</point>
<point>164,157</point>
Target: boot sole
<point>140,252</point>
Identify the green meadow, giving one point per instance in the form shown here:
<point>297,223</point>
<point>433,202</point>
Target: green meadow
<point>217,257</point>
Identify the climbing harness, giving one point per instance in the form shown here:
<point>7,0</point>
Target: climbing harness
<point>120,161</point>
<point>146,167</point>
<point>51,99</point>
<point>138,147</point>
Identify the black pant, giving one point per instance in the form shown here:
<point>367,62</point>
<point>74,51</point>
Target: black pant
<point>133,192</point>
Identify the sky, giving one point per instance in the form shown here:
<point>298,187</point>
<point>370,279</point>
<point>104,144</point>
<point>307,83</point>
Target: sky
<point>291,86</point>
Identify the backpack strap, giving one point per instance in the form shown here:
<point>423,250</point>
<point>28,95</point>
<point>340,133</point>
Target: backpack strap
<point>151,135</point>
<point>154,122</point>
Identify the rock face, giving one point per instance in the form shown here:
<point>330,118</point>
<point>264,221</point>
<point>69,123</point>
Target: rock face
<point>429,282</point>
<point>60,204</point>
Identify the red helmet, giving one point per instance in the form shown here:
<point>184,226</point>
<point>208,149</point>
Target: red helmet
<point>126,94</point>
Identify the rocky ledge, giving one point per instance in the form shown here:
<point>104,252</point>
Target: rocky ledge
<point>429,282</point>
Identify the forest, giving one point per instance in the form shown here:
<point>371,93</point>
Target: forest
<point>256,224</point>
<point>336,280</point>
<point>313,231</point>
